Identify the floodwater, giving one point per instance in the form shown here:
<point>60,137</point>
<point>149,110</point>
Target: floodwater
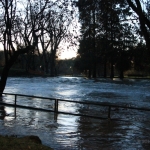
<point>127,130</point>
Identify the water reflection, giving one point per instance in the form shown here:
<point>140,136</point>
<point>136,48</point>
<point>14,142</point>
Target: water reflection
<point>124,132</point>
<point>66,133</point>
<point>106,134</point>
<point>2,112</point>
<point>73,133</point>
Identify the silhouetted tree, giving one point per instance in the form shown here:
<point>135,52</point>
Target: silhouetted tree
<point>142,9</point>
<point>16,40</point>
<point>55,24</point>
<point>101,21</point>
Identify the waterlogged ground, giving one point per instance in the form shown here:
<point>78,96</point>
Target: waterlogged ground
<point>128,129</point>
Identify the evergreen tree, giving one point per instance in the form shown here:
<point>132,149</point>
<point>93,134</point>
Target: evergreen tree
<point>101,21</point>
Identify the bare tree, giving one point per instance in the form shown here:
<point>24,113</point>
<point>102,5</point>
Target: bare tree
<point>55,28</point>
<point>18,33</point>
<point>142,8</point>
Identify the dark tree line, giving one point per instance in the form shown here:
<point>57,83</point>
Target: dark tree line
<point>110,32</point>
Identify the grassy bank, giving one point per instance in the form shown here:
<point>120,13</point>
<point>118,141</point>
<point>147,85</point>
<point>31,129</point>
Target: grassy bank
<point>23,143</point>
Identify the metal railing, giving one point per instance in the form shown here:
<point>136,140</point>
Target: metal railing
<point>56,104</point>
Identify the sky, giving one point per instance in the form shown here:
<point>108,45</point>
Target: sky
<point>67,54</point>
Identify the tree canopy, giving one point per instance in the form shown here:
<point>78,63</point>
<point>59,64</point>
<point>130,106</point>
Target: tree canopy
<point>110,31</point>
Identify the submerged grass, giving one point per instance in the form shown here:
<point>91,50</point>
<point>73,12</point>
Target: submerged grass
<point>23,143</point>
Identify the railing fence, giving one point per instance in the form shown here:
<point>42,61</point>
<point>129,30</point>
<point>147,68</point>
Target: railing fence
<point>56,106</point>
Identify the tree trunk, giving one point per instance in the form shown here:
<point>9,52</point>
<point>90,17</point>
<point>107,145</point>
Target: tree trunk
<point>112,70</point>
<point>89,73</point>
<point>3,79</point>
<point>9,64</point>
<point>121,74</point>
<point>105,67</point>
<point>56,72</point>
<point>52,74</point>
<point>5,72</point>
<point>94,70</point>
<point>52,65</point>
<point>46,67</point>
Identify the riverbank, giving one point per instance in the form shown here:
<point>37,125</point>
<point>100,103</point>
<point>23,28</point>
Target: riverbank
<point>15,72</point>
<point>23,143</point>
<point>23,73</point>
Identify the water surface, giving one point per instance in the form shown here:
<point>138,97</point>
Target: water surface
<point>128,130</point>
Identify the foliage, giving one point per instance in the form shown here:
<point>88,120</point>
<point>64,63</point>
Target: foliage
<point>106,32</point>
<point>66,67</point>
<point>141,59</point>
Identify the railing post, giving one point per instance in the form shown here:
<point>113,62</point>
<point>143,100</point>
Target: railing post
<point>15,99</point>
<point>109,109</point>
<point>15,104</point>
<point>56,105</point>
